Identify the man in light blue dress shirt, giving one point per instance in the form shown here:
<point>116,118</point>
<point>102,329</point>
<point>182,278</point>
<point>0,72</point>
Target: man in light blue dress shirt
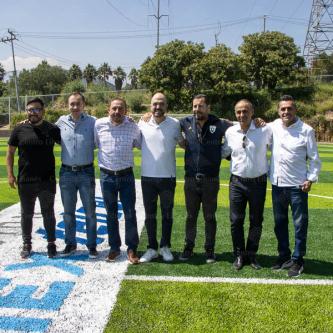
<point>77,172</point>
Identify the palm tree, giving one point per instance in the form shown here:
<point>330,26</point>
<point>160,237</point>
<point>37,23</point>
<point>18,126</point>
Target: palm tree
<point>119,77</point>
<point>104,72</point>
<point>133,76</point>
<point>90,73</point>
<point>74,73</point>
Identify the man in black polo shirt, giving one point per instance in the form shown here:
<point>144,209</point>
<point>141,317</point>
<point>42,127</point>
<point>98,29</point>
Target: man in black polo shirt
<point>203,133</point>
<point>34,139</point>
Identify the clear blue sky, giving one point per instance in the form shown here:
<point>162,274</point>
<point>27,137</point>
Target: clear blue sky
<point>122,33</point>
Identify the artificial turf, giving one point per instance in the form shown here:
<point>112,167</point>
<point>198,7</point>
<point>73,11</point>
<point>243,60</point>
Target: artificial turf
<point>221,307</point>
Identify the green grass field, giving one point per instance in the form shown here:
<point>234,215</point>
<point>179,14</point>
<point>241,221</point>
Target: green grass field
<point>148,306</point>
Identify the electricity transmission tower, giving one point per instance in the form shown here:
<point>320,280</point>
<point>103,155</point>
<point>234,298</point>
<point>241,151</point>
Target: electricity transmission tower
<point>319,37</point>
<point>158,18</point>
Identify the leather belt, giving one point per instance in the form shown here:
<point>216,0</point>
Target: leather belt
<point>76,168</point>
<point>122,172</point>
<point>260,179</point>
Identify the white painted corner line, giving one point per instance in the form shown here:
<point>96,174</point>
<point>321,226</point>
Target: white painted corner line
<point>190,279</point>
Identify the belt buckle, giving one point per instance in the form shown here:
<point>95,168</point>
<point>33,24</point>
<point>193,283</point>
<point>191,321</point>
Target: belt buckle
<point>199,176</point>
<point>74,168</point>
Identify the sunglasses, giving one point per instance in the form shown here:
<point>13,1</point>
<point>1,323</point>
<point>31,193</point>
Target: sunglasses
<point>34,110</point>
<point>245,142</point>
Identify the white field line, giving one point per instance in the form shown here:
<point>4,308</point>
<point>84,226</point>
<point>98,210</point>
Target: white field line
<point>269,189</point>
<point>228,280</point>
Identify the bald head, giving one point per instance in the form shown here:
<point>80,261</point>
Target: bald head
<point>158,106</point>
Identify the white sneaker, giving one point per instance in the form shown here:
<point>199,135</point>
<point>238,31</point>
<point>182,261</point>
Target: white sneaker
<point>166,253</point>
<point>149,255</point>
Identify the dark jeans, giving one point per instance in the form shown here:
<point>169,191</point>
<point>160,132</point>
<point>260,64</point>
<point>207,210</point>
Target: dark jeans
<point>152,188</point>
<point>241,192</point>
<point>45,192</point>
<point>283,197</point>
<point>72,182</point>
<point>125,186</point>
<point>199,192</point>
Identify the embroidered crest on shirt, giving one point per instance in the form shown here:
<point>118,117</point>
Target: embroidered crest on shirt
<point>212,129</point>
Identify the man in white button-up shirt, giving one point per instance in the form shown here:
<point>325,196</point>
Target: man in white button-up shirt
<point>248,147</point>
<point>295,165</point>
<point>160,136</point>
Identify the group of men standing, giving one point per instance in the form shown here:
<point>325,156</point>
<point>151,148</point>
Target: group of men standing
<point>206,139</point>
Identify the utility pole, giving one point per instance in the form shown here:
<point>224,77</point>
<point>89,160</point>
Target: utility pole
<point>158,17</point>
<point>11,39</point>
<point>265,17</point>
<point>217,34</point>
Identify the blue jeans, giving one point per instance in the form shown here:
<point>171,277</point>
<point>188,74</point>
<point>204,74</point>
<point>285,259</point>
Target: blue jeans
<point>125,186</point>
<point>70,183</point>
<point>282,197</point>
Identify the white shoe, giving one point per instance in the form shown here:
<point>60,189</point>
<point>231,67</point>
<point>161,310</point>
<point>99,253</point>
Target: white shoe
<point>149,255</point>
<point>166,253</point>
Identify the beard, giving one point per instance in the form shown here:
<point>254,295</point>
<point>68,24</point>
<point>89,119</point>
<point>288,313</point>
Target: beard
<point>34,119</point>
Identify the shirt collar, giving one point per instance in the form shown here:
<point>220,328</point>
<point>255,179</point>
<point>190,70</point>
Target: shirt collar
<point>82,116</point>
<point>251,128</point>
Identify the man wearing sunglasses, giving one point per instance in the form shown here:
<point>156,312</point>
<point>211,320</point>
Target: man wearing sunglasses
<point>35,140</point>
<point>247,145</point>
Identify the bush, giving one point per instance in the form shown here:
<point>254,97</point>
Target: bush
<point>70,87</point>
<point>135,102</point>
<point>99,110</point>
<point>299,93</point>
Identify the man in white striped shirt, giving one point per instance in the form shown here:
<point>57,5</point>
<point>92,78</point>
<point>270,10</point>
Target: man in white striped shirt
<point>115,138</point>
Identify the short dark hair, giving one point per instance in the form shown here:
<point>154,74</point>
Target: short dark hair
<point>36,100</point>
<point>199,96</point>
<point>286,98</point>
<point>119,99</point>
<point>77,93</point>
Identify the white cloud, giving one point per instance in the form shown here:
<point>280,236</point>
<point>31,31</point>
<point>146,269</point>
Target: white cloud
<point>25,63</point>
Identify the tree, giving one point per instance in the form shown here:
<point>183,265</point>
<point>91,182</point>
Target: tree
<point>166,71</point>
<point>3,86</point>
<point>2,72</point>
<point>104,72</point>
<point>43,79</point>
<point>218,72</point>
<point>90,73</point>
<point>119,77</point>
<point>134,77</point>
<point>74,73</point>
<point>268,58</point>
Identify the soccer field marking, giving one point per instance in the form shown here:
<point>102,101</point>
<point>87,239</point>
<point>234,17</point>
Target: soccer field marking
<point>269,189</point>
<point>191,279</point>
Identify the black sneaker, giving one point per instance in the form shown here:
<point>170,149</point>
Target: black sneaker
<point>210,256</point>
<point>51,250</point>
<point>296,269</point>
<point>26,251</point>
<point>186,255</point>
<point>282,263</point>
<point>68,250</point>
<point>93,253</point>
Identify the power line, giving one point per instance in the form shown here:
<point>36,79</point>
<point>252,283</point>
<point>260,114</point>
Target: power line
<point>122,14</point>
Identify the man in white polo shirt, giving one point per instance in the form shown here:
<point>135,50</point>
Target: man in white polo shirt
<point>248,147</point>
<point>295,165</point>
<point>160,136</point>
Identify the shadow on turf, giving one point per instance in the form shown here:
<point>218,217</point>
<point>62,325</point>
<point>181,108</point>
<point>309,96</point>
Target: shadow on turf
<point>312,266</point>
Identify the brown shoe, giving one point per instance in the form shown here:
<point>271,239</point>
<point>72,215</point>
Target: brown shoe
<point>112,256</point>
<point>132,257</point>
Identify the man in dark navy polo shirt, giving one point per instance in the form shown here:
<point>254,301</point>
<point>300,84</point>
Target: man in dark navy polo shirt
<point>34,139</point>
<point>203,133</point>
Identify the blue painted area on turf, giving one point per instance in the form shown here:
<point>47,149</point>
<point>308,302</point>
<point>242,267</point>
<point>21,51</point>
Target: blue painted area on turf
<point>81,225</point>
<point>38,260</point>
<point>24,324</point>
<point>22,297</point>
